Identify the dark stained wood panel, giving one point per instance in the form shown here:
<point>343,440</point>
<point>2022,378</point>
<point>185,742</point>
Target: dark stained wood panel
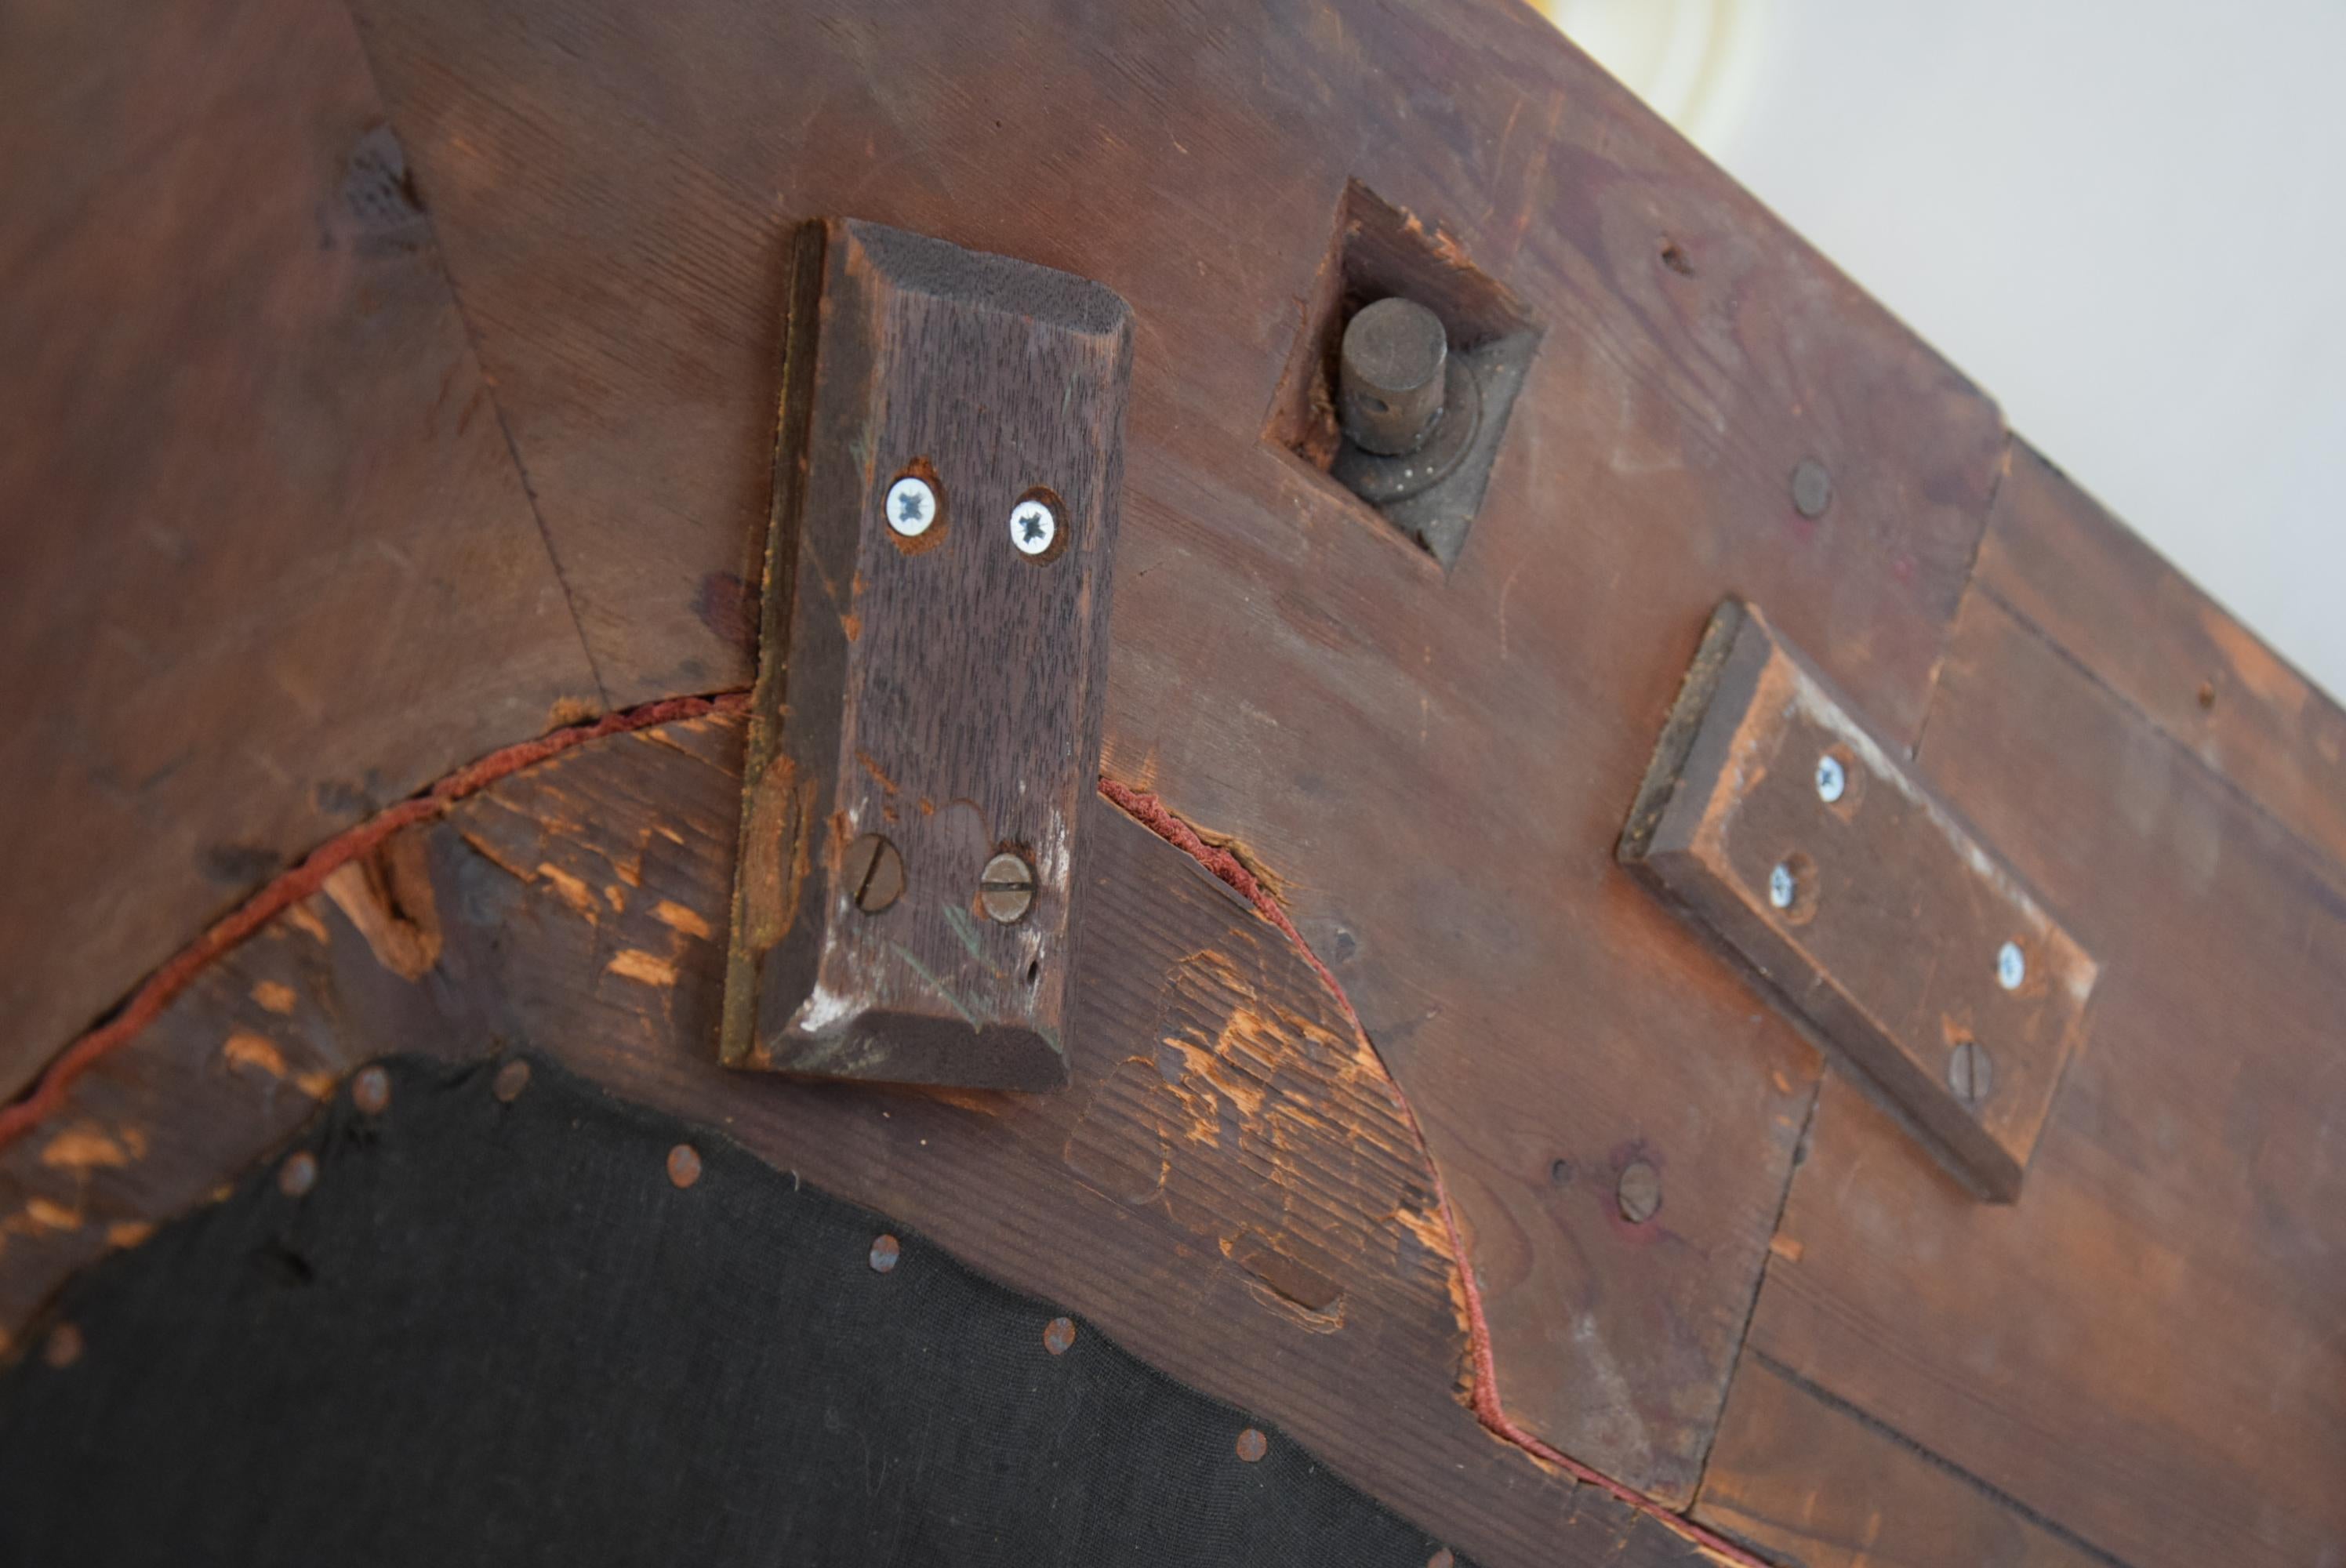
<point>1229,1188</point>
<point>268,564</point>
<point>2056,558</point>
<point>1776,820</point>
<point>1809,1482</point>
<point>2144,1348</point>
<point>1433,769</point>
<point>934,665</point>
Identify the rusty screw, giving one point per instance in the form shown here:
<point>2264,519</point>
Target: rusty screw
<point>873,873</point>
<point>1252,1445</point>
<point>885,1250</point>
<point>511,1080</point>
<point>1811,487</point>
<point>371,1091</point>
<point>1006,889</point>
<point>1970,1073</point>
<point>1390,376</point>
<point>1639,1192</point>
<point>298,1174</point>
<point>1059,1336</point>
<point>684,1165</point>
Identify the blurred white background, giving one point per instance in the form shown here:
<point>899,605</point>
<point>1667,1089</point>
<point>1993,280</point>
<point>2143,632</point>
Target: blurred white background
<point>2126,221</point>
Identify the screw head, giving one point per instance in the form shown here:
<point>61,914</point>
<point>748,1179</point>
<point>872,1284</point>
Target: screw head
<point>872,872</point>
<point>1059,1336</point>
<point>1832,780</point>
<point>511,1080</point>
<point>1639,1192</point>
<point>912,506</point>
<point>1252,1445</point>
<point>885,1250</point>
<point>684,1165</point>
<point>1812,488</point>
<point>1782,885</point>
<point>1006,889</point>
<point>1033,526</point>
<point>2011,966</point>
<point>1970,1073</point>
<point>63,1348</point>
<point>298,1174</point>
<point>371,1091</point>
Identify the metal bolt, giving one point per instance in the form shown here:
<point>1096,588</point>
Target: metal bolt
<point>298,1174</point>
<point>1059,1336</point>
<point>1782,885</point>
<point>1006,889</point>
<point>1639,1192</point>
<point>512,1079</point>
<point>2011,966</point>
<point>1033,526</point>
<point>684,1165</point>
<point>371,1091</point>
<point>884,1253</point>
<point>872,872</point>
<point>1811,487</point>
<point>1831,780</point>
<point>912,506</point>
<point>1390,376</point>
<point>1970,1073</point>
<point>1252,1445</point>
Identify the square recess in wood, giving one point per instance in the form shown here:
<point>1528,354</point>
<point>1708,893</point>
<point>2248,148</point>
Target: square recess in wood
<point>1382,252</point>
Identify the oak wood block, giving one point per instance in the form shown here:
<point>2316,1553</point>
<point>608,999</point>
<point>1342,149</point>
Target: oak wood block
<point>927,711</point>
<point>1782,824</point>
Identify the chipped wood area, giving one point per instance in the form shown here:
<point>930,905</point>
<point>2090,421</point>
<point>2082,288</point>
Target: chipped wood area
<point>1230,1188</point>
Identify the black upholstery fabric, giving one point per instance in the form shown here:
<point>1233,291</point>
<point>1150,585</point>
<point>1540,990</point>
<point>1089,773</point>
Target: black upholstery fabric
<point>495,1332</point>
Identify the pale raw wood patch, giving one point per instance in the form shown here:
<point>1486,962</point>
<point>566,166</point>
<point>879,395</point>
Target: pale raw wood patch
<point>634,964</point>
<point>677,917</point>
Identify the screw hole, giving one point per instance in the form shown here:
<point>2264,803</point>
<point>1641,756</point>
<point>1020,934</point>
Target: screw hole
<point>1676,260</point>
<point>1033,970</point>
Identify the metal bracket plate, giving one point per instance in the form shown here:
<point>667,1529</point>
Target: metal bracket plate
<point>1878,916</point>
<point>924,731</point>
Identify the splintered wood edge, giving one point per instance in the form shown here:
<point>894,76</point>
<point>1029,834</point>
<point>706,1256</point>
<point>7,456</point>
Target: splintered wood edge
<point>1664,773</point>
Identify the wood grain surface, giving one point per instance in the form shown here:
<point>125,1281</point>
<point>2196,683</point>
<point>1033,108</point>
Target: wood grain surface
<point>1871,910</point>
<point>2058,561</point>
<point>1812,1482</point>
<point>929,698</point>
<point>1230,1189</point>
<point>267,565</point>
<point>1431,769</point>
<point>2162,1302</point>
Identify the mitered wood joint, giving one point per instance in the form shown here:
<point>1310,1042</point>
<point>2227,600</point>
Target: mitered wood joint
<point>1875,914</point>
<point>924,732</point>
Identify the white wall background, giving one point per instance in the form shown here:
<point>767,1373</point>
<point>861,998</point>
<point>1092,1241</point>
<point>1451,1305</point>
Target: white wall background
<point>2125,218</point>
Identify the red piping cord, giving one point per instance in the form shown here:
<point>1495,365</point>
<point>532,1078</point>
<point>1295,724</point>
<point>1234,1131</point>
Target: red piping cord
<point>1160,819</point>
<point>290,887</point>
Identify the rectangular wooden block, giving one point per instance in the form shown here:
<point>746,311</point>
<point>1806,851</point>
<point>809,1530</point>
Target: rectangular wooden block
<point>925,726</point>
<point>1775,818</point>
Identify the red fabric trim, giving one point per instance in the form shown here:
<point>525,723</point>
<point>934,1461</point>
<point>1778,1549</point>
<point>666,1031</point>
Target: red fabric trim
<point>1152,813</point>
<point>290,887</point>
